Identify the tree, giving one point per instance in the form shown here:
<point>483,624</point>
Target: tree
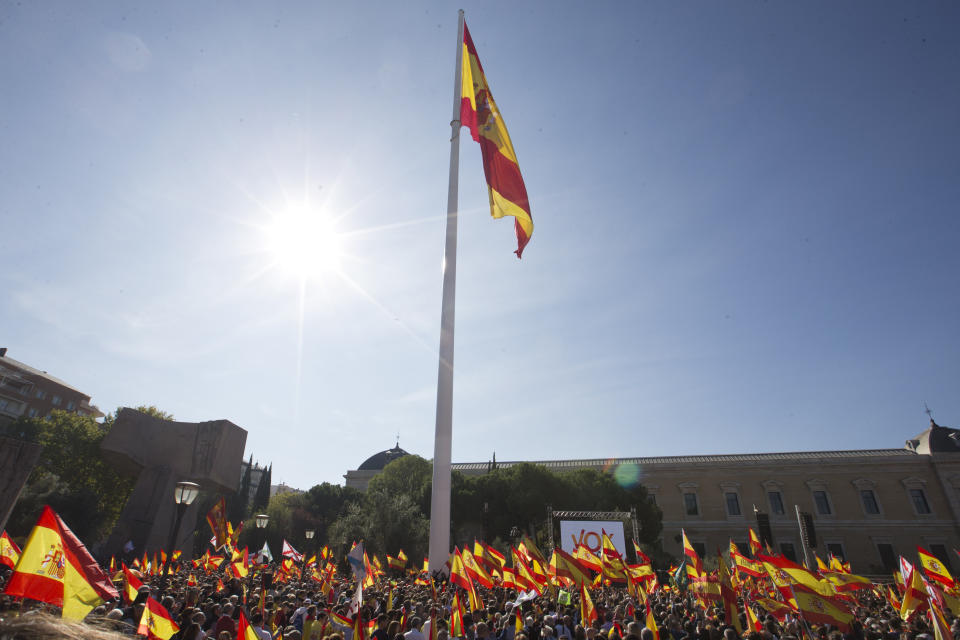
<point>386,522</point>
<point>262,497</point>
<point>411,476</point>
<point>70,476</point>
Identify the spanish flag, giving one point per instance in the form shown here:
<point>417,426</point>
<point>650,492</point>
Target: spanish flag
<point>508,194</point>
<point>57,569</point>
<point>131,584</point>
<point>588,613</point>
<point>9,551</point>
<point>244,630</point>
<point>156,621</point>
<point>934,568</point>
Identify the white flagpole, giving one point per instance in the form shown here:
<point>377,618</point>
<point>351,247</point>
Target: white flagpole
<point>443,435</point>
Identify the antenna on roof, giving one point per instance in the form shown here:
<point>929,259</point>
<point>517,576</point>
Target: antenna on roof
<point>929,414</point>
<point>397,446</point>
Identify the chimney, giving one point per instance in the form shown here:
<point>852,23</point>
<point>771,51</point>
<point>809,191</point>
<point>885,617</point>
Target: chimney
<point>3,352</point>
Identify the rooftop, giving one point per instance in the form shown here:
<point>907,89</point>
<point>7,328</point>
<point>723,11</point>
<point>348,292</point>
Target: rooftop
<point>794,456</point>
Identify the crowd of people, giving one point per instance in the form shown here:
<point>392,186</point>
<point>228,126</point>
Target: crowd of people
<point>401,609</point>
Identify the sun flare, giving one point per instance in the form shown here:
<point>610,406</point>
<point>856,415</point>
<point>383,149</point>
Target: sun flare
<point>304,241</point>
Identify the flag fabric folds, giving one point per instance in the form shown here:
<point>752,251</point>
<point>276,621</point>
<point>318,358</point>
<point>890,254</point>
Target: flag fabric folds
<point>290,552</point>
<point>217,519</point>
<point>131,584</point>
<point>934,568</point>
<point>57,569</point>
<point>9,551</point>
<point>244,630</point>
<point>479,112</point>
<point>156,621</point>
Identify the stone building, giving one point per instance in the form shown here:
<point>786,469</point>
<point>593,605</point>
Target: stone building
<point>868,506</point>
<point>26,391</point>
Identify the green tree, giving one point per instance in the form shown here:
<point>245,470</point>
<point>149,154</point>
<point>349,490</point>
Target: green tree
<point>386,522</point>
<point>262,497</point>
<point>411,476</point>
<point>71,475</point>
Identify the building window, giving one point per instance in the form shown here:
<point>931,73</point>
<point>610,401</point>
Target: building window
<point>787,549</point>
<point>690,504</point>
<point>776,502</point>
<point>71,405</point>
<point>733,503</point>
<point>41,394</point>
<point>3,403</point>
<point>823,503</point>
<point>888,556</point>
<point>652,497</point>
<point>56,401</point>
<point>836,549</point>
<point>32,413</point>
<point>700,548</point>
<point>940,551</point>
<point>920,504</point>
<point>869,500</point>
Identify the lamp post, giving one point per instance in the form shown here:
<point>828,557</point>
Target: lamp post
<point>308,534</point>
<point>183,495</point>
<point>262,519</point>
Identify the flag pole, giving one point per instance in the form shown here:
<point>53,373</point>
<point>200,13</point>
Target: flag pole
<point>443,434</point>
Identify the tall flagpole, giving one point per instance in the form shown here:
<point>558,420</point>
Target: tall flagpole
<point>443,435</point>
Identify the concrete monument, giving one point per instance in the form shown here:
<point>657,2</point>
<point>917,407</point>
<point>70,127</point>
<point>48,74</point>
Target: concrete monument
<point>162,453</point>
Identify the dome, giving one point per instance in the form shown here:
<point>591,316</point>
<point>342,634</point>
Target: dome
<point>378,461</point>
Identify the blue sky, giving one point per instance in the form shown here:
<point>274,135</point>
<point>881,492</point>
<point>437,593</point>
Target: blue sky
<point>746,222</point>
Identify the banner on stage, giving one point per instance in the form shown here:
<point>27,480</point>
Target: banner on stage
<point>588,533</point>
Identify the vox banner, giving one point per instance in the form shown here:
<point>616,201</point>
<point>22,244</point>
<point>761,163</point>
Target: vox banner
<point>588,532</point>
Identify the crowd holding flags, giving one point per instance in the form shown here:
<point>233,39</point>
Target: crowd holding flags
<point>55,567</point>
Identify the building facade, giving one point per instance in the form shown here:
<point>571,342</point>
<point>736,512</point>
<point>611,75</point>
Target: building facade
<point>25,391</point>
<point>868,506</point>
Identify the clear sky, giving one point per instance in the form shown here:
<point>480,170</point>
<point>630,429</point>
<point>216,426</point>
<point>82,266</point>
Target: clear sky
<point>747,232</point>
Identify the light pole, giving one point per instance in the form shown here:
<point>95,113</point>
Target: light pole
<point>308,534</point>
<point>262,519</point>
<point>183,495</point>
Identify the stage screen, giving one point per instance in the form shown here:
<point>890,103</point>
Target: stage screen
<point>587,533</point>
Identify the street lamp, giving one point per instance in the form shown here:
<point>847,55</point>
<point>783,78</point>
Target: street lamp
<point>261,519</point>
<point>308,534</point>
<point>183,495</point>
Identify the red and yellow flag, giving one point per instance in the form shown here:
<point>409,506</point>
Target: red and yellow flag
<point>474,570</point>
<point>131,584</point>
<point>820,610</point>
<point>217,519</point>
<point>478,111</point>
<point>456,618</point>
<point>567,567</point>
<point>156,621</point>
<point>755,546</point>
<point>9,551</point>
<point>934,568</point>
<point>691,553</point>
<point>588,613</point>
<point>57,569</point>
<point>244,630</point>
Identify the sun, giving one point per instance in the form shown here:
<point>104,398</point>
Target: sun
<point>304,241</point>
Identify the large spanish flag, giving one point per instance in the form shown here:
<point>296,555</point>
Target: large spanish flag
<point>508,194</point>
<point>57,569</point>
